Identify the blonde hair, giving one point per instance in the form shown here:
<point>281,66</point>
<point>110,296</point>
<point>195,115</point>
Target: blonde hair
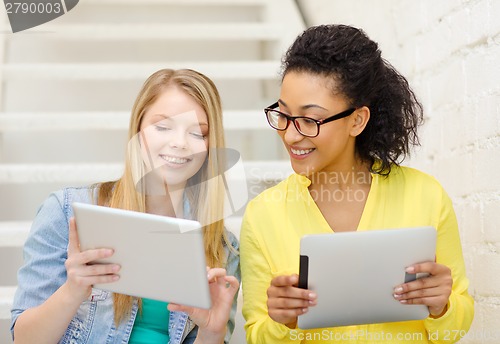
<point>204,191</point>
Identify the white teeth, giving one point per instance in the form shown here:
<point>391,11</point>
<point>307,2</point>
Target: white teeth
<point>301,151</point>
<point>174,160</point>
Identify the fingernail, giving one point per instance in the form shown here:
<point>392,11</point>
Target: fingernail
<point>403,301</point>
<point>304,310</point>
<point>410,269</point>
<point>312,295</point>
<point>116,277</point>
<point>116,268</point>
<point>398,289</point>
<point>396,296</point>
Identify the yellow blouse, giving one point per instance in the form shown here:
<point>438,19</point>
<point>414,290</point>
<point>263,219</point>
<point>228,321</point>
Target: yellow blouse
<point>275,221</point>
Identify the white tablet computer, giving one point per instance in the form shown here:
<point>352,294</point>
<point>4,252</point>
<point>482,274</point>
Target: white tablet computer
<point>354,275</point>
<point>161,258</point>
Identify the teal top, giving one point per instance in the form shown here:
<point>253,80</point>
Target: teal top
<point>151,325</point>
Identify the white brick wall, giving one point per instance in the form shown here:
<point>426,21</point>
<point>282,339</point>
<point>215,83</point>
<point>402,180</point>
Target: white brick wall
<point>450,51</point>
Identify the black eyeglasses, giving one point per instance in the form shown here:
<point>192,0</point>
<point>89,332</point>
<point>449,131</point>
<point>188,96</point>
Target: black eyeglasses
<point>305,126</point>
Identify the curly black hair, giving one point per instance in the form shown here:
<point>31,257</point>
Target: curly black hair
<point>354,62</point>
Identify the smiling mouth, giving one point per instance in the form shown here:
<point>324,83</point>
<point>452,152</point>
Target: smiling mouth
<point>301,151</point>
<point>175,160</point>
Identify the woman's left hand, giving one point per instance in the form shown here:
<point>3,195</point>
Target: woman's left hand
<point>433,291</point>
<point>212,322</point>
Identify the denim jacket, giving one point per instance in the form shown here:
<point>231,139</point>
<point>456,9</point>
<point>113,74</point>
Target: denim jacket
<point>43,272</point>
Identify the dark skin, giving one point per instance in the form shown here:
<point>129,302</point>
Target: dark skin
<point>333,152</point>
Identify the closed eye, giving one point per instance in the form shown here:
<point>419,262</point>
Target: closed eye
<point>198,135</point>
<point>162,128</point>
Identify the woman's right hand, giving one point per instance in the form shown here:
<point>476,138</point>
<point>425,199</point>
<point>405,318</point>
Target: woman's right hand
<point>82,274</point>
<point>285,301</point>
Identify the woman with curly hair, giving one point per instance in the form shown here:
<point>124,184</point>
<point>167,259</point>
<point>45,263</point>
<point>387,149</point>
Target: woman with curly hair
<point>347,119</point>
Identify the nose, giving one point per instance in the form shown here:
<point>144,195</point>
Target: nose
<point>291,134</point>
<point>178,140</point>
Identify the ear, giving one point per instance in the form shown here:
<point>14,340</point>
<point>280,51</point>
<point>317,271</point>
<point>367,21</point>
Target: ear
<point>360,119</point>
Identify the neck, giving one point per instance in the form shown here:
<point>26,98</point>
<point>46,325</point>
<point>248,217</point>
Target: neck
<point>170,204</point>
<point>348,176</point>
<point>162,199</point>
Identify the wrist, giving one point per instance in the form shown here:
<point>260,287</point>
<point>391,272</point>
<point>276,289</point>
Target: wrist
<point>292,325</point>
<point>75,295</point>
<point>438,314</point>
<point>210,337</point>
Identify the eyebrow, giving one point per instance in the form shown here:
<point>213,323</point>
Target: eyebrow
<point>304,107</point>
<point>160,115</point>
<point>169,117</point>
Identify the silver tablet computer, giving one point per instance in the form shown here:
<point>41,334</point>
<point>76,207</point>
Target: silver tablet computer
<point>354,275</point>
<point>161,258</point>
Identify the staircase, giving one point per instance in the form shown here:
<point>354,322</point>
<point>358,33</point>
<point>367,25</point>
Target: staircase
<point>68,87</point>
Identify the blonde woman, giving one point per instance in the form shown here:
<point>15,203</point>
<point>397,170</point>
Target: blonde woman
<point>171,169</point>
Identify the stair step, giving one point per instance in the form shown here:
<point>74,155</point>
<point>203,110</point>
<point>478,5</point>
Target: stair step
<point>164,32</point>
<point>14,233</point>
<point>6,298</point>
<point>255,172</point>
<point>40,121</point>
<point>233,70</point>
<point>61,173</point>
<point>233,3</point>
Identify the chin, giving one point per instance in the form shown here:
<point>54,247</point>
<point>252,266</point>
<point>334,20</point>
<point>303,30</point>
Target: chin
<point>303,170</point>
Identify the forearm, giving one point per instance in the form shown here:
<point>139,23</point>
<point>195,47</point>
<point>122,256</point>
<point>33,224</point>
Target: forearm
<point>260,328</point>
<point>267,330</point>
<point>454,323</point>
<point>48,322</point>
